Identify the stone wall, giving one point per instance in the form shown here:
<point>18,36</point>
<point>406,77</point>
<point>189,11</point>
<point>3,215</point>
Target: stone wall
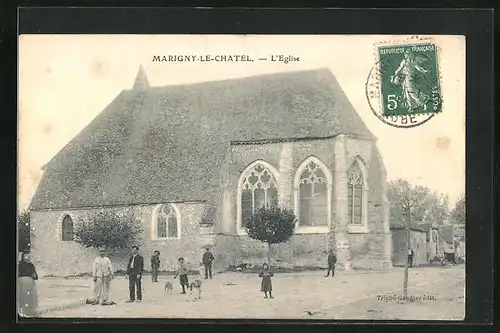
<point>368,251</point>
<point>226,252</point>
<point>52,256</point>
<point>302,250</point>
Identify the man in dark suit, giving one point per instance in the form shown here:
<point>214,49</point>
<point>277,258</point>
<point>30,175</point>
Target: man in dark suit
<point>208,257</point>
<point>155,266</point>
<point>134,274</point>
<point>332,260</point>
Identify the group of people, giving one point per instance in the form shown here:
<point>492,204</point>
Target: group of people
<point>182,269</point>
<point>207,260</point>
<point>103,274</point>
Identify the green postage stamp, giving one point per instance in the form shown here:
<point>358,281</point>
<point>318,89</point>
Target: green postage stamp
<point>403,87</point>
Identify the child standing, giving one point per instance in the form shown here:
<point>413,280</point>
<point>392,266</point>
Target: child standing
<point>182,274</point>
<point>266,285</point>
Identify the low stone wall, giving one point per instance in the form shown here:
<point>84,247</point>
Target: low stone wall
<point>370,251</point>
<point>302,250</point>
<point>54,257</point>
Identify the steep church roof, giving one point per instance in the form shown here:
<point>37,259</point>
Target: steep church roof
<point>169,144</point>
<point>141,81</point>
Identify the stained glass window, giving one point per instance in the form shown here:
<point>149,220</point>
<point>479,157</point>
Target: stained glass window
<point>166,223</point>
<point>355,194</point>
<point>259,188</point>
<point>313,199</point>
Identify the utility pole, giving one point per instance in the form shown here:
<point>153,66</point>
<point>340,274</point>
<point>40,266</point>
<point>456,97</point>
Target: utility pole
<point>407,208</point>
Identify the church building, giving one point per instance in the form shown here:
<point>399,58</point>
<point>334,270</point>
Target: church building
<point>192,162</point>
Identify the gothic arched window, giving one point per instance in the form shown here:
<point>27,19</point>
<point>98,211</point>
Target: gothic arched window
<point>259,188</point>
<point>313,196</point>
<point>67,229</point>
<point>355,194</point>
<point>167,223</point>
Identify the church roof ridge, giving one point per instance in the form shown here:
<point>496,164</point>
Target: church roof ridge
<point>141,79</point>
<point>232,79</point>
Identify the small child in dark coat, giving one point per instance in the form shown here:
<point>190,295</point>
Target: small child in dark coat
<point>266,285</point>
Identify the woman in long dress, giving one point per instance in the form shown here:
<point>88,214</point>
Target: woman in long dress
<point>266,285</point>
<point>27,296</point>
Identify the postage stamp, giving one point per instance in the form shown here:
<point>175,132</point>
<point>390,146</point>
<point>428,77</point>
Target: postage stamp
<point>403,87</point>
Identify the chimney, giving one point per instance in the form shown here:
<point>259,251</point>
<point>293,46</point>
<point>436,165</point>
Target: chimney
<point>141,80</point>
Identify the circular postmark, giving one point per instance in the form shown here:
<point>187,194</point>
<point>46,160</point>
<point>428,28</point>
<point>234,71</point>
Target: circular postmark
<point>402,87</point>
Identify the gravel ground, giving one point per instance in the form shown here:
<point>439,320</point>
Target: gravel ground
<point>296,295</point>
<point>442,300</point>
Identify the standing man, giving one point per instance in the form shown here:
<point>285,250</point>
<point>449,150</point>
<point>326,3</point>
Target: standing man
<point>103,273</point>
<point>410,258</point>
<point>134,274</point>
<point>155,266</point>
<point>208,257</point>
<point>332,260</point>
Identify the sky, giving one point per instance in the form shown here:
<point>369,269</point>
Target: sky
<point>65,81</point>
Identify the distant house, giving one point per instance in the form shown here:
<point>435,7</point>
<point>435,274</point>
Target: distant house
<point>193,162</point>
<point>453,239</point>
<point>433,240</point>
<point>418,243</point>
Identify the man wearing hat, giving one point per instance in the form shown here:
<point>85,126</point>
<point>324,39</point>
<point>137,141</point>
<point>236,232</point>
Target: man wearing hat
<point>155,266</point>
<point>208,257</point>
<point>332,260</point>
<point>103,273</point>
<point>135,268</point>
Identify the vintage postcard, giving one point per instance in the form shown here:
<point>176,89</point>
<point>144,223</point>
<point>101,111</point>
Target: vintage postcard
<point>242,176</point>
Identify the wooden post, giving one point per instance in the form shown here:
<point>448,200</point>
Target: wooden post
<point>408,240</point>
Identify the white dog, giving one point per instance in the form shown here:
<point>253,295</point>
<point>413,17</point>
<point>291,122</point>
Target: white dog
<point>196,285</point>
<point>169,286</point>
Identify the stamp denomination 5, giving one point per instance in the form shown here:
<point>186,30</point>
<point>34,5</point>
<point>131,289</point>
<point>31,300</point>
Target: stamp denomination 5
<point>403,87</point>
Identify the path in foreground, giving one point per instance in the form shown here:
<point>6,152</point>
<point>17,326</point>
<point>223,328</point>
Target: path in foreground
<point>446,302</point>
<point>347,296</point>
